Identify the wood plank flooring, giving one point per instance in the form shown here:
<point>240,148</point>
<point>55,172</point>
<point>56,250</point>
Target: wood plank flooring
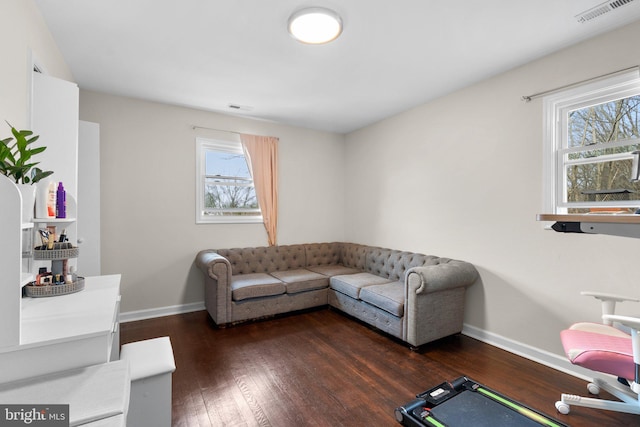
<point>322,368</point>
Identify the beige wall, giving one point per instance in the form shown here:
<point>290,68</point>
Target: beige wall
<point>462,177</point>
<point>23,36</point>
<point>149,234</point>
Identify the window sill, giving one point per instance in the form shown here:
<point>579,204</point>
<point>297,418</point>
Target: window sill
<point>230,220</point>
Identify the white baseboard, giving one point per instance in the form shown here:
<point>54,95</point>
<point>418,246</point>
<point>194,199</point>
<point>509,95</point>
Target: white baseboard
<point>151,313</point>
<point>543,357</point>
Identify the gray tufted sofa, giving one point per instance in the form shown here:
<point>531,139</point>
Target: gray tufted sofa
<point>417,298</point>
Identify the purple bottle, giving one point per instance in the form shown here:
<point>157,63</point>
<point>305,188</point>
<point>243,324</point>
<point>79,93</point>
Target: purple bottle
<point>61,202</point>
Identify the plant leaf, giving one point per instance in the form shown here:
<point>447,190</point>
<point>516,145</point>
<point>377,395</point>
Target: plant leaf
<point>37,150</point>
<point>15,157</point>
<point>37,174</point>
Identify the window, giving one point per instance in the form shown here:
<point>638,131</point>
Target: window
<point>225,191</point>
<point>591,132</point>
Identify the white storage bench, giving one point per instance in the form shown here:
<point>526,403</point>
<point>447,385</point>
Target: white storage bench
<point>151,364</point>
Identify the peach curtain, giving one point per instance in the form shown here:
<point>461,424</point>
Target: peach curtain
<point>262,153</point>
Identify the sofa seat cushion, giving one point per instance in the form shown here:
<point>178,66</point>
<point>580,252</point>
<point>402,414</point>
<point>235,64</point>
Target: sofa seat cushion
<point>245,286</point>
<point>351,284</point>
<point>333,269</point>
<point>388,297</point>
<point>301,280</point>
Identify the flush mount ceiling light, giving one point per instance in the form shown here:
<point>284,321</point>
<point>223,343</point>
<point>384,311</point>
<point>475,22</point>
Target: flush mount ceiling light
<point>315,25</point>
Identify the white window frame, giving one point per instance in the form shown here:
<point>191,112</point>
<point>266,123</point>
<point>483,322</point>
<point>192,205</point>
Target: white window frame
<point>203,145</point>
<point>555,109</point>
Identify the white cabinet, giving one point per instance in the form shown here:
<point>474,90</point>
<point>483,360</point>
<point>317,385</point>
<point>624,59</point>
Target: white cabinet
<point>65,332</point>
<point>89,193</point>
<point>55,117</point>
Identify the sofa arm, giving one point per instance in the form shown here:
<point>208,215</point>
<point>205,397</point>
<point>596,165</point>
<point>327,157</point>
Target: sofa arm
<point>434,300</point>
<point>207,261</point>
<point>438,277</point>
<point>217,285</point>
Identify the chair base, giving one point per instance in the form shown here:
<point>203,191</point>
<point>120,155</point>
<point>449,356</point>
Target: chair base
<point>630,401</point>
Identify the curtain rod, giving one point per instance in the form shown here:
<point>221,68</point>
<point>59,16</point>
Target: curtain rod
<point>194,127</point>
<point>539,94</point>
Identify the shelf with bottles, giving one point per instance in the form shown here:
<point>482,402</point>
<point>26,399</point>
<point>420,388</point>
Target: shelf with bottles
<point>53,245</point>
<point>60,278</point>
<point>66,215</point>
<point>54,238</point>
<point>58,252</point>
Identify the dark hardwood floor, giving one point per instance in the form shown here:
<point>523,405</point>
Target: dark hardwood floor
<point>321,368</point>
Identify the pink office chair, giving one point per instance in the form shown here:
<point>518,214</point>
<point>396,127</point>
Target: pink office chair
<point>612,347</point>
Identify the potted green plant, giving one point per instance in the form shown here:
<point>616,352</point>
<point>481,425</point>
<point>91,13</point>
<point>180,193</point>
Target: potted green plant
<point>16,163</point>
<point>16,157</point>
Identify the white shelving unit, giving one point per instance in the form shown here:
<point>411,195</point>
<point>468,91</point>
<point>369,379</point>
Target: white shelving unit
<point>45,335</point>
<point>68,224</point>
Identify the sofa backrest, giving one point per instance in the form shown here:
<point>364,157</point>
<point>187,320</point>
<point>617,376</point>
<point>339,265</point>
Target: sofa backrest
<point>264,259</point>
<point>393,264</point>
<point>353,255</point>
<point>348,254</point>
<point>389,263</point>
<point>323,253</point>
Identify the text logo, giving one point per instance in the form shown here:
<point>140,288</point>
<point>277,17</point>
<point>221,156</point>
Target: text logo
<point>34,415</point>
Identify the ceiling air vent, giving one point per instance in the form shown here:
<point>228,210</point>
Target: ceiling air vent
<point>601,9</point>
<point>240,107</point>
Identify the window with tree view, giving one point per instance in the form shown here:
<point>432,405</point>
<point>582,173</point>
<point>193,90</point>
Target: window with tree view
<point>596,136</point>
<point>225,191</point>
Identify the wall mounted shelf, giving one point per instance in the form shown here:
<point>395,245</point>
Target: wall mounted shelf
<point>625,225</point>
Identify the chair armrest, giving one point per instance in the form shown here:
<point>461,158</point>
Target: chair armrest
<point>438,277</point>
<point>631,322</point>
<point>608,302</point>
<point>608,297</point>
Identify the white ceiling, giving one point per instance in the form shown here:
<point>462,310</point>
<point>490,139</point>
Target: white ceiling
<point>392,55</point>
